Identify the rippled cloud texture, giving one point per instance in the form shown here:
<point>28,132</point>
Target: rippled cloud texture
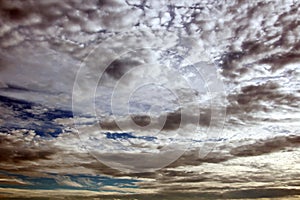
<point>252,47</point>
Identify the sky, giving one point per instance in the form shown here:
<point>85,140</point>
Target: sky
<point>144,99</point>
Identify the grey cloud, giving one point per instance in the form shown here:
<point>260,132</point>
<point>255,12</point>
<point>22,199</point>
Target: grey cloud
<point>119,67</point>
<point>243,38</point>
<point>48,17</point>
<point>141,120</point>
<point>164,178</point>
<point>266,146</point>
<point>261,193</point>
<point>263,97</point>
<point>173,120</point>
<point>249,97</point>
<point>225,151</point>
<point>193,158</point>
<point>15,12</point>
<point>264,48</point>
<point>25,153</point>
<point>16,150</point>
<point>233,178</point>
<point>236,194</point>
<point>292,194</point>
<point>279,61</point>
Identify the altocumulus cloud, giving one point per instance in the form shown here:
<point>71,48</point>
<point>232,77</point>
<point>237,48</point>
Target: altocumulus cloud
<point>254,46</point>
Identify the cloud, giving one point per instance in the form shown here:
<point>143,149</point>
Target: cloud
<point>119,67</point>
<point>256,56</point>
<point>18,149</point>
<point>232,177</point>
<point>11,180</point>
<point>167,121</point>
<point>27,153</point>
<point>65,180</point>
<point>266,146</point>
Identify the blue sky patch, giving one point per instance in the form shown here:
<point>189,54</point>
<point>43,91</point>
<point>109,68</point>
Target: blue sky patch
<point>25,117</point>
<point>126,136</point>
<point>71,182</point>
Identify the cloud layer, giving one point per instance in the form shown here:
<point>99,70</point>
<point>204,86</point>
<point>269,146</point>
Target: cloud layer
<point>183,49</point>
